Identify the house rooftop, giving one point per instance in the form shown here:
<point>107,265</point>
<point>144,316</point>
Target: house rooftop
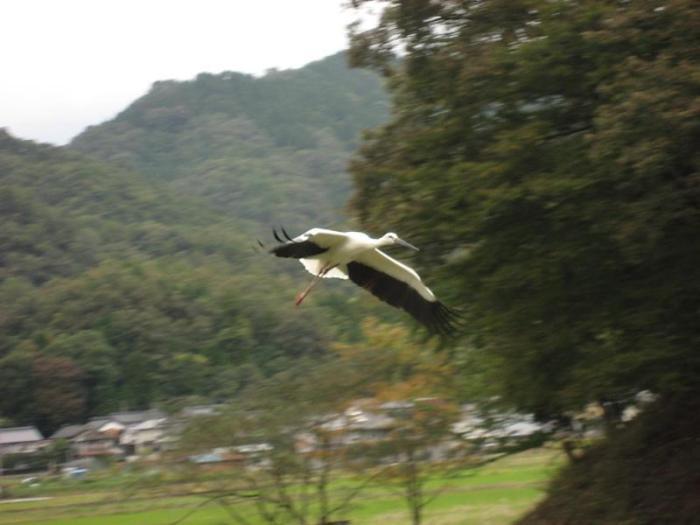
<point>129,418</point>
<point>91,434</point>
<point>150,424</point>
<point>369,421</point>
<point>67,431</point>
<point>126,418</point>
<point>19,435</point>
<point>96,423</point>
<point>202,410</point>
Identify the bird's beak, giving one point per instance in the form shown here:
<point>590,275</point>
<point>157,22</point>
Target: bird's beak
<point>406,244</point>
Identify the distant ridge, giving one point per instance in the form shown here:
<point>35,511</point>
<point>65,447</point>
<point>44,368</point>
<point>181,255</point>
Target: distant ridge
<point>256,148</point>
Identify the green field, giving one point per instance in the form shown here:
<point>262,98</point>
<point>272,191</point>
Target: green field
<point>496,494</point>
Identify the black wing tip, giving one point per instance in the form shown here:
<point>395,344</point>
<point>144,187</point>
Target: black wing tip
<point>444,321</point>
<point>284,232</point>
<point>289,247</point>
<point>282,237</point>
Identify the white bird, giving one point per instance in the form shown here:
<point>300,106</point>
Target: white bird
<point>356,256</point>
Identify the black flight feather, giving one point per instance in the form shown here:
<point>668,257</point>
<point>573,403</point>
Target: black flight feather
<point>432,314</point>
<point>295,249</point>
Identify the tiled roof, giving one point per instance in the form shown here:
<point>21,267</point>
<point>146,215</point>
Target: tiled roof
<point>19,435</point>
<point>129,418</point>
<point>67,431</point>
<point>96,423</point>
<point>90,434</point>
<point>201,410</point>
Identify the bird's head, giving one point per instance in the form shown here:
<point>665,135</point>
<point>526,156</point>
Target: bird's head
<point>391,238</point>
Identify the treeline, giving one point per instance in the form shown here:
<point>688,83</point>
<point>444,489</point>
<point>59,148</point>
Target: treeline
<point>545,155</point>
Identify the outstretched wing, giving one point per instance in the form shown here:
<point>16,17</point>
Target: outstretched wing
<point>400,286</point>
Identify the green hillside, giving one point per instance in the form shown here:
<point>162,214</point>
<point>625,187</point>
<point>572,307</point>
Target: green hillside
<point>129,270</point>
<point>117,292</point>
<point>63,213</point>
<point>272,149</point>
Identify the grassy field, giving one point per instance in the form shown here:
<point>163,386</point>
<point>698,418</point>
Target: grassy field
<point>496,494</point>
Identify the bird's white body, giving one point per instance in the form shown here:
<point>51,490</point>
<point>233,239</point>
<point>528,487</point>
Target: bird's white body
<point>342,248</point>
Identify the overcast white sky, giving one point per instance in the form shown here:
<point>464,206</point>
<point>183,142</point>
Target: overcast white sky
<point>67,64</point>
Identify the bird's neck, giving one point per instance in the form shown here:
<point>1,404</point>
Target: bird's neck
<point>378,243</point>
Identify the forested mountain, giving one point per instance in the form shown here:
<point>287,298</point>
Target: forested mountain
<point>270,149</point>
<point>111,284</point>
<point>128,270</point>
<point>63,213</point>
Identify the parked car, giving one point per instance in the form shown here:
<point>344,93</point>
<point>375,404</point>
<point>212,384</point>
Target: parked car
<point>74,472</point>
<point>32,481</point>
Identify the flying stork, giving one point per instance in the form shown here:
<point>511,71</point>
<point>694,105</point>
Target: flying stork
<point>356,256</point>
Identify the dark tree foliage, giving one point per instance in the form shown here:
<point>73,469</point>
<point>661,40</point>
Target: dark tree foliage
<point>59,395</point>
<point>544,156</point>
<point>645,473</point>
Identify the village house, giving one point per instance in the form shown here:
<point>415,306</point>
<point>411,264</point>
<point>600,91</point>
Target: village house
<point>21,440</point>
<point>115,435</point>
<point>93,443</point>
<point>147,436</point>
<point>21,444</point>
